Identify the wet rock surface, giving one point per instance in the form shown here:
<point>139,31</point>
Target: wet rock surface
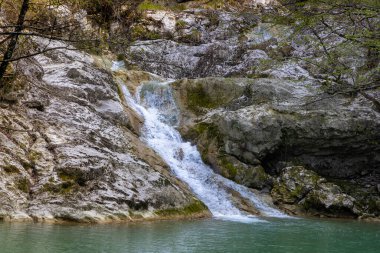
<point>241,125</point>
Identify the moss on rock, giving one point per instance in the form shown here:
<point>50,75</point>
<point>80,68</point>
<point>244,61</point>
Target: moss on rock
<point>313,194</point>
<point>198,97</point>
<point>23,184</point>
<point>228,169</point>
<point>149,5</point>
<point>10,168</point>
<point>59,188</point>
<point>140,32</point>
<point>194,208</point>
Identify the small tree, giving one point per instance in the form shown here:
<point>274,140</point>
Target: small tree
<point>13,38</point>
<point>345,31</point>
<point>26,20</point>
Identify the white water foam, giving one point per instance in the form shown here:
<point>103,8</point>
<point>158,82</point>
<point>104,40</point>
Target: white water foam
<point>116,65</point>
<point>159,110</point>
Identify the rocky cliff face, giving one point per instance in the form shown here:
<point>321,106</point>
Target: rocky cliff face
<point>70,150</point>
<point>201,43</point>
<point>250,130</point>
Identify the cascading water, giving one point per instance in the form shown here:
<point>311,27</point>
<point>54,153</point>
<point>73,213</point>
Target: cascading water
<point>154,101</point>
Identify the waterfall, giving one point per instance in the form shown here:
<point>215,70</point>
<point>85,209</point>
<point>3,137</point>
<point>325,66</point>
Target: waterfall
<point>155,103</point>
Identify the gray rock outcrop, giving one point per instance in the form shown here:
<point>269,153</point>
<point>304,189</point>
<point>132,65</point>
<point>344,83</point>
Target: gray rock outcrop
<point>312,194</point>
<point>69,150</point>
<point>242,125</point>
<point>201,43</point>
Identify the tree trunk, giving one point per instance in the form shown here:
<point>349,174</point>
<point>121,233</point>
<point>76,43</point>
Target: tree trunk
<point>13,40</point>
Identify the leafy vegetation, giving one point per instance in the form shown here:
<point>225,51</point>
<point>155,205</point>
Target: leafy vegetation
<point>23,185</point>
<point>149,5</point>
<point>24,21</point>
<point>346,37</point>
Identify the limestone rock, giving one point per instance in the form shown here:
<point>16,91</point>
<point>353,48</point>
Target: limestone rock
<point>263,120</point>
<point>313,194</point>
<point>240,124</point>
<point>69,150</point>
<point>201,43</point>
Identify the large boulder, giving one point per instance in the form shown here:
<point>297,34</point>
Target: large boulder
<point>70,150</point>
<point>312,194</point>
<point>243,125</point>
<point>268,121</point>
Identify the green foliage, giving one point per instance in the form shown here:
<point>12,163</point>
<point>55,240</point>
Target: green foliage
<point>221,4</point>
<point>216,4</point>
<point>180,24</point>
<point>149,5</point>
<point>9,168</point>
<point>62,188</point>
<point>193,37</point>
<point>344,32</point>
<point>140,32</point>
<point>23,185</point>
<point>69,182</point>
<point>104,11</point>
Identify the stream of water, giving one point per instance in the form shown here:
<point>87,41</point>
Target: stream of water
<point>155,103</point>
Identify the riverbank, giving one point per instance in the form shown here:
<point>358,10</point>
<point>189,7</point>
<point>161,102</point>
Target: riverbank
<point>104,220</point>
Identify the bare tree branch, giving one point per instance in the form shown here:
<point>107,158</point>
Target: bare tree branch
<point>50,37</point>
<point>13,40</point>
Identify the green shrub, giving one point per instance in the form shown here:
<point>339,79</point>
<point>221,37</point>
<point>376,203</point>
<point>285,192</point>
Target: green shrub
<point>148,5</point>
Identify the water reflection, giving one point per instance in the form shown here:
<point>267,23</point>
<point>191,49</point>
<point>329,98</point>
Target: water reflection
<point>276,235</point>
